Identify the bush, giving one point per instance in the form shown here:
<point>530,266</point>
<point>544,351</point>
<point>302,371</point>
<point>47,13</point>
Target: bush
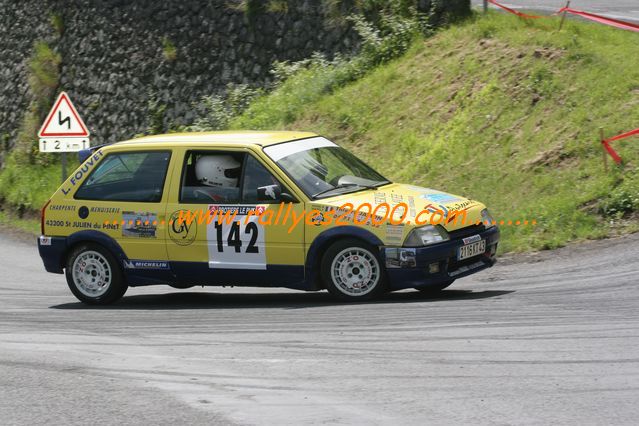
<point>385,36</point>
<point>156,112</point>
<point>624,199</point>
<point>277,6</point>
<point>44,75</point>
<point>217,111</point>
<point>25,187</point>
<point>57,23</point>
<point>169,50</point>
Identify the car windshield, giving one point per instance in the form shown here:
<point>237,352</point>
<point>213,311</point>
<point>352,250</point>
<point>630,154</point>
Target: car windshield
<point>322,169</point>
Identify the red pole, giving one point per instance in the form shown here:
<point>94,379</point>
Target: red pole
<point>605,154</point>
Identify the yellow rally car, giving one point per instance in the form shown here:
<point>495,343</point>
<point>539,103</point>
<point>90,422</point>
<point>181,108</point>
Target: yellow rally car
<point>270,209</point>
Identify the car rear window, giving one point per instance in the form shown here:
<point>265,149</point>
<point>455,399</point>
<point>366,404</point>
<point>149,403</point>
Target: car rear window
<point>129,176</point>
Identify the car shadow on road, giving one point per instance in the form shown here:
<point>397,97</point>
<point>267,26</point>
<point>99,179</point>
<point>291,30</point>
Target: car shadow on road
<point>206,300</point>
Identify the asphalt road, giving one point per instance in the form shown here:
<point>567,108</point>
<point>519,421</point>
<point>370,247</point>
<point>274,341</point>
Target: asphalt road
<point>544,339</point>
<point>620,9</point>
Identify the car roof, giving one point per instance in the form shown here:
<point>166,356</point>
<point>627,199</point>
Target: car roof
<point>238,138</point>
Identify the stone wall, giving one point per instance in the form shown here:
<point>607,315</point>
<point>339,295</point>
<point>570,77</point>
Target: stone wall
<point>114,62</point>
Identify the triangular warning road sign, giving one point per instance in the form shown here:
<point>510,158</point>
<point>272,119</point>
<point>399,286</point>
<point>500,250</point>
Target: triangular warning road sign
<point>63,120</point>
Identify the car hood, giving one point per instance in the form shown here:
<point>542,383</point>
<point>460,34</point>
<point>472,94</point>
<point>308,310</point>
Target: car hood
<point>417,199</point>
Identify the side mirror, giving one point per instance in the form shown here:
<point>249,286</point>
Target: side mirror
<point>288,198</point>
<point>269,193</point>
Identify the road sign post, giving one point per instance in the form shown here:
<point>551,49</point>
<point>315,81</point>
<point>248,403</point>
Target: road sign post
<point>64,166</point>
<point>63,131</point>
<point>485,6</point>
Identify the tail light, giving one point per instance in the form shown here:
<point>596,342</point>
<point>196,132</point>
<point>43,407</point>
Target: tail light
<point>44,209</point>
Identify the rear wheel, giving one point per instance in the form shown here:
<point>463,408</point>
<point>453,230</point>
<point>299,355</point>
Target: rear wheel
<point>434,289</point>
<point>94,275</point>
<point>351,271</point>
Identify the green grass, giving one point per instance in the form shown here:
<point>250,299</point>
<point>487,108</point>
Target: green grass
<point>25,188</point>
<point>497,109</point>
<point>13,223</point>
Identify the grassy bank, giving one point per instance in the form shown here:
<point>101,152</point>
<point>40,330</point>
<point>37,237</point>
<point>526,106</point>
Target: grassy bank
<point>497,109</point>
<point>13,224</point>
<point>24,190</point>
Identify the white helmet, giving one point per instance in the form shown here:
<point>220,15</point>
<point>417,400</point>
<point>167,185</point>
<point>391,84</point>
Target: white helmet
<point>217,170</point>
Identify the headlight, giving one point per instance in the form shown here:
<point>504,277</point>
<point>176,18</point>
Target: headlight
<point>426,235</point>
<point>487,219</point>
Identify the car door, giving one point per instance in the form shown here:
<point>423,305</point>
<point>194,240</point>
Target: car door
<point>219,232</point>
<point>123,198</point>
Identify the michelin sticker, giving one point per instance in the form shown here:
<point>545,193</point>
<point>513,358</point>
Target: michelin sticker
<point>146,264</point>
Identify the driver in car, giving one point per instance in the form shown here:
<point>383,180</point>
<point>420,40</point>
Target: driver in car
<point>218,176</point>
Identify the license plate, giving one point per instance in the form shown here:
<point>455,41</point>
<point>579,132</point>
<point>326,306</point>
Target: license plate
<point>471,250</point>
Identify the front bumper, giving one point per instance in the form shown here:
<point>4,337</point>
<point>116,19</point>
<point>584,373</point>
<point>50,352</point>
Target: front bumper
<point>436,264</point>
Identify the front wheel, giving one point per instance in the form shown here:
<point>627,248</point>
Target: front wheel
<point>351,271</point>
<point>94,275</point>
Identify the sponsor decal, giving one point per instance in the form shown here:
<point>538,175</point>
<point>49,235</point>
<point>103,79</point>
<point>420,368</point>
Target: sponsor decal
<point>83,170</point>
<point>470,240</point>
<point>238,210</point>
<point>380,197</point>
<point>411,206</point>
<point>61,207</point>
<point>400,258</point>
<point>45,241</point>
<point>83,212</point>
<point>146,264</point>
<point>396,198</point>
<point>111,226</point>
<point>444,213</point>
<point>105,210</point>
<point>182,232</point>
<point>463,205</point>
<point>440,198</point>
<point>394,233</point>
<point>237,243</point>
<point>439,208</point>
<point>84,225</point>
<point>318,217</point>
<point>139,224</point>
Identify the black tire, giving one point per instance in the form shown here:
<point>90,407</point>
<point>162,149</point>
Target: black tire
<point>99,266</point>
<point>434,289</point>
<point>369,265</point>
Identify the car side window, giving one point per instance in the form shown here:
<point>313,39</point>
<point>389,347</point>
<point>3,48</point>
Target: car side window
<point>129,176</point>
<point>211,177</point>
<point>259,185</point>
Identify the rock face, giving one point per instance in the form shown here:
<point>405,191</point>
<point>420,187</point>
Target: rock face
<point>117,60</point>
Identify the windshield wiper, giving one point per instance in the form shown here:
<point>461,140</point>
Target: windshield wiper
<point>344,185</point>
